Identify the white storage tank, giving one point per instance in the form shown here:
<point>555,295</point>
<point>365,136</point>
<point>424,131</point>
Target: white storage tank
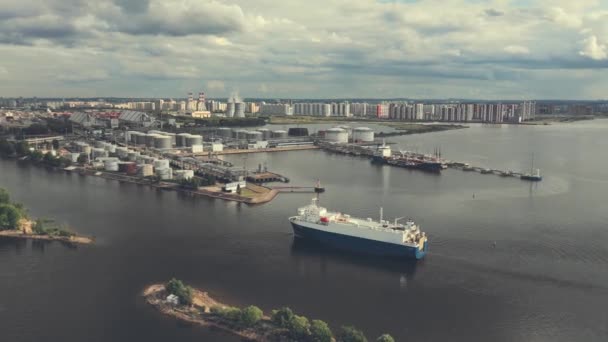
<point>111,165</point>
<point>363,134</point>
<point>266,134</point>
<point>122,152</point>
<point>111,148</point>
<point>170,135</point>
<point>161,163</point>
<point>99,153</point>
<point>150,139</point>
<point>240,134</point>
<point>74,157</point>
<point>162,142</point>
<point>337,135</point>
<point>279,134</point>
<point>132,156</point>
<point>100,144</point>
<point>194,140</point>
<point>164,173</point>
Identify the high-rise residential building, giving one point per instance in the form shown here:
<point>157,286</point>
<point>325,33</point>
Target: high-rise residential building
<point>419,111</point>
<point>276,109</point>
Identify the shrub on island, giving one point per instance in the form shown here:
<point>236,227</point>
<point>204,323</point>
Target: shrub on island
<point>385,338</point>
<point>351,334</point>
<point>183,292</point>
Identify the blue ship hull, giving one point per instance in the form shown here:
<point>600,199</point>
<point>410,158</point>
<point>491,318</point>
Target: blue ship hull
<point>356,244</point>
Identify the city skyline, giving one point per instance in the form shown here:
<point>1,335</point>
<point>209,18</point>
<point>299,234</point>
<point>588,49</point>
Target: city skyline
<point>494,50</point>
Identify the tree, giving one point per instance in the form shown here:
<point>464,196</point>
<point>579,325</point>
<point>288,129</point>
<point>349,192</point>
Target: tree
<point>22,148</point>
<point>385,338</point>
<point>250,316</point>
<point>9,216</point>
<point>38,227</point>
<point>7,148</point>
<point>36,156</point>
<point>351,334</point>
<point>320,331</point>
<point>5,197</point>
<point>282,317</point>
<point>299,327</point>
<point>176,287</point>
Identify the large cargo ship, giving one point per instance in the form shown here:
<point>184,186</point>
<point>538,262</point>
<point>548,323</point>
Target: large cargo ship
<point>361,235</point>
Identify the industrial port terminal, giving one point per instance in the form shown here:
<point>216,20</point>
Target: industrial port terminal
<point>192,163</point>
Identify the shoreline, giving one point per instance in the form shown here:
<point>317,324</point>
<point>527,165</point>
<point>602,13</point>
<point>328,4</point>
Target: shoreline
<point>198,313</point>
<point>20,234</point>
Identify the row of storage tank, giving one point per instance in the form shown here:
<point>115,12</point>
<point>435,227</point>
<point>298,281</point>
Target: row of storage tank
<point>164,140</point>
<point>257,135</point>
<point>341,134</point>
<point>120,159</point>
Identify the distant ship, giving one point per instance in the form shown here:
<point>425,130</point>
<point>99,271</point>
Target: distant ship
<point>534,174</point>
<point>382,154</point>
<point>342,231</point>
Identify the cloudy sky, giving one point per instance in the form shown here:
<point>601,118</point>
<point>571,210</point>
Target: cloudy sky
<point>510,49</point>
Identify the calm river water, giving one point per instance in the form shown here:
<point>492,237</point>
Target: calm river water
<point>544,279</point>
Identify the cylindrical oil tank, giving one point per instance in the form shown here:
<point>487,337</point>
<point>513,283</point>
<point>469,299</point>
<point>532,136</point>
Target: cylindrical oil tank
<point>180,139</point>
<point>74,157</point>
<point>279,134</point>
<point>254,136</point>
<point>87,150</point>
<point>265,133</point>
<point>140,139</point>
<point>122,152</point>
<point>164,173</point>
<point>110,165</point>
<point>224,132</point>
<point>111,148</point>
<point>150,139</point>
<point>363,134</point>
<point>161,163</point>
<point>132,156</point>
<point>155,132</point>
<point>140,159</point>
<point>240,134</point>
<point>194,140</point>
<point>146,170</point>
<point>239,110</point>
<point>131,169</point>
<point>131,136</point>
<point>99,153</point>
<point>337,135</point>
<point>162,142</point>
<point>149,160</point>
<point>100,144</point>
<point>170,135</point>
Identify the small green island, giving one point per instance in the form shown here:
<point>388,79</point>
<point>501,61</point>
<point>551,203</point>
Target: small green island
<point>14,223</point>
<point>195,306</point>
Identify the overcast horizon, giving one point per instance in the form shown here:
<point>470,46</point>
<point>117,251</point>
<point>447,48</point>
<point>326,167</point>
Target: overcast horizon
<point>425,49</point>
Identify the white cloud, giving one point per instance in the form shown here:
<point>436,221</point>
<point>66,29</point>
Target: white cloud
<point>593,49</point>
<point>516,50</point>
<point>316,48</point>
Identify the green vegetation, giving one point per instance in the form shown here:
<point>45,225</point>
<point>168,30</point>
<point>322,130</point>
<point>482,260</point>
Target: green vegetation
<point>282,317</point>
<point>50,228</point>
<point>319,331</point>
<point>250,316</point>
<point>195,182</point>
<point>351,334</point>
<point>10,213</point>
<point>385,338</point>
<point>177,288</point>
<point>299,328</point>
<point>22,149</point>
<point>405,128</point>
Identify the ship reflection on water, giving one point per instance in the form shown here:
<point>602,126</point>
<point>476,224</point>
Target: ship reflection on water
<point>331,262</point>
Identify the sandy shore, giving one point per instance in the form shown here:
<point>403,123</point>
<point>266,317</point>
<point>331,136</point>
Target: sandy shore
<point>199,313</point>
<point>25,232</point>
